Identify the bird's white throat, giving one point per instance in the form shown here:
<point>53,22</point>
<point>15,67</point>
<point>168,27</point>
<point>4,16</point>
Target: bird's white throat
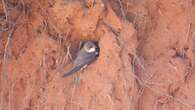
<point>90,50</point>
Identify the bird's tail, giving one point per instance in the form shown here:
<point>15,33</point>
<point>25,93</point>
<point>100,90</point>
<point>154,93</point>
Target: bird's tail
<point>72,71</point>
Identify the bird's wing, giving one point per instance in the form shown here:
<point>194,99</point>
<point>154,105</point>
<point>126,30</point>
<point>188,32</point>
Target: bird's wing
<point>84,59</point>
<point>72,71</point>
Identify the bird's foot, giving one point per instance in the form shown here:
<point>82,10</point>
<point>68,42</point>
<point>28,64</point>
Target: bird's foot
<point>77,80</point>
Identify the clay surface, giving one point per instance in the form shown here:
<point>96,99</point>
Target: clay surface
<point>146,61</point>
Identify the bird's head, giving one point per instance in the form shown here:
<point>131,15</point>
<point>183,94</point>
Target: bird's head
<point>91,47</point>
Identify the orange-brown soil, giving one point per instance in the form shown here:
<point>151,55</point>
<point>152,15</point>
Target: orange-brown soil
<point>146,61</point>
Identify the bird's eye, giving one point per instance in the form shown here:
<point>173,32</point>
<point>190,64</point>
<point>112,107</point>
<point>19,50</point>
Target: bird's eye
<point>90,47</point>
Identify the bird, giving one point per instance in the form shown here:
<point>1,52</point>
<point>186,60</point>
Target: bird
<point>88,52</point>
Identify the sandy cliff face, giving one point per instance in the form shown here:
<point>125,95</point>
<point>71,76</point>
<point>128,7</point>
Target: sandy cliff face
<point>146,59</point>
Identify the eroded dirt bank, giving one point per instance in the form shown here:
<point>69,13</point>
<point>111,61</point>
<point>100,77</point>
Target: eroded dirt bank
<point>146,60</point>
